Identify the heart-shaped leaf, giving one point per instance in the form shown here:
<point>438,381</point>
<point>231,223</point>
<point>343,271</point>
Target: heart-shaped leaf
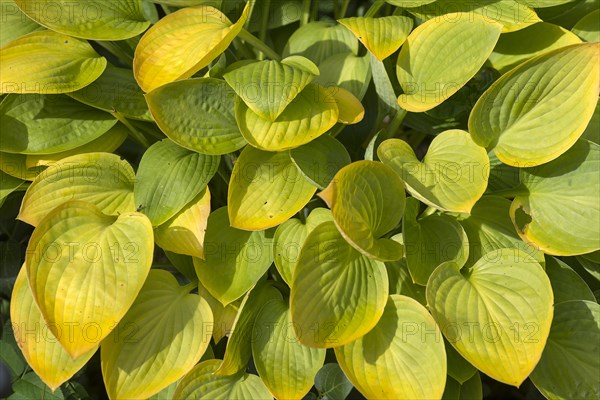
<point>452,176</point>
<point>78,256</point>
<point>211,128</point>
<point>404,351</point>
<point>182,43</point>
<point>48,62</point>
<point>313,112</point>
<point>234,260</point>
<point>558,208</point>
<point>504,329</point>
<point>161,338</point>
<point>441,56</point>
<point>512,116</point>
<point>367,201</point>
<point>102,179</point>
<point>37,339</point>
<point>255,191</point>
<point>320,40</point>
<point>169,177</point>
<point>287,367</point>
<point>337,294</point>
<point>100,20</point>
<point>381,36</point>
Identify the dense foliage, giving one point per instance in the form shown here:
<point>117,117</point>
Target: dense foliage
<point>223,199</point>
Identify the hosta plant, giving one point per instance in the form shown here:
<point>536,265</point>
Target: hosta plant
<point>300,199</point>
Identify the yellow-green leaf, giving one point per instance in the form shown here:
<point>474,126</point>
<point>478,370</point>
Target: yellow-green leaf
<point>588,27</point>
<point>402,357</point>
<point>14,23</point>
<point>337,294</point>
<point>48,62</point>
<point>320,40</point>
<point>348,71</point>
<point>517,115</point>
<point>223,316</point>
<point>381,36</point>
<point>182,43</point>
<point>441,55</point>
<point>351,110</point>
<point>367,201</point>
<point>265,190</point>
<point>163,335</point>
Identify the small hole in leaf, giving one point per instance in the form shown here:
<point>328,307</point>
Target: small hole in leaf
<point>522,219</point>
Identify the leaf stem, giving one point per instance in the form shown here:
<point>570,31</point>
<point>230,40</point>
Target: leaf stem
<point>137,135</point>
<point>305,12</point>
<point>116,51</point>
<point>258,44</point>
<point>314,12</point>
<point>342,11</point>
<point>374,8</point>
<point>189,287</point>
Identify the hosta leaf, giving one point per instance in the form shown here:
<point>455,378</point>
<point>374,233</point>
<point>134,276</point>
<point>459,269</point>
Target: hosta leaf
<point>267,87</point>
<point>48,62</point>
<point>592,132</point>
<point>458,368</point>
<point>566,284</point>
<point>516,117</point>
<point>441,56</point>
<point>313,113</point>
<point>350,109</point>
<point>469,390</point>
<point>169,177</point>
<point>569,367</point>
<point>45,124</point>
<point>404,351</point>
<point>320,40</point>
<point>16,165</point>
<point>402,283</point>
<point>516,47</point>
<point>431,241</point>
<point>115,91</point>
<point>86,268</point>
<point>14,23</point>
<point>8,184</point>
<point>161,338</point>
<point>367,201</point>
<point>502,176</point>
<point>381,36</point>
<point>287,367</point>
<point>588,28</point>
<point>452,176</point>
<point>202,383</point>
<point>102,179</point>
<point>332,383</point>
<point>239,345</point>
<point>504,329</point>
<point>348,71</point>
<point>337,294</point>
<point>31,387</point>
<point>559,208</point>
<point>512,15</point>
<point>223,316</point>
<point>543,3</point>
<point>265,190</point>
<point>211,127</point>
<point>489,228</point>
<point>320,159</point>
<point>43,352</point>
<point>184,233</point>
<point>289,239</point>
<point>182,43</point>
<point>234,259</point>
<point>409,3</point>
<point>100,20</point>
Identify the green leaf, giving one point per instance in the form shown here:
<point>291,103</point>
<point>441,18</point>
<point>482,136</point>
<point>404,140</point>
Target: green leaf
<point>592,132</point>
<point>400,280</point>
<point>503,330</point>
<point>441,56</point>
<point>101,20</point>
<point>381,36</point>
<point>258,182</point>
<point>569,367</point>
<point>458,368</point>
<point>37,340</point>
<point>566,284</point>
<point>512,116</point>
<point>289,239</point>
<point>211,128</point>
<point>287,367</point>
<point>16,165</point>
<point>224,316</point>
<point>452,176</point>
<point>346,70</point>
<point>203,383</point>
<point>514,48</point>
<point>102,179</point>
<point>320,40</point>
<point>331,383</point>
<point>313,112</point>
<point>404,351</point>
<point>367,201</point>
<point>430,241</point>
<point>78,256</point>
<point>163,335</point>
<point>169,177</point>
<point>234,259</point>
<point>182,43</point>
<point>8,184</point>
<point>31,387</point>
<point>502,176</point>
<point>320,160</point>
<point>559,207</point>
<point>14,23</point>
<point>337,294</point>
<point>45,124</point>
<point>268,87</point>
<point>588,27</point>
<point>469,390</point>
<point>48,62</point>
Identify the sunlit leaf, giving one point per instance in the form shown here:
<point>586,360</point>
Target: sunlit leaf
<point>351,110</point>
<point>14,23</point>
<point>320,40</point>
<point>320,159</point>
<point>588,28</point>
